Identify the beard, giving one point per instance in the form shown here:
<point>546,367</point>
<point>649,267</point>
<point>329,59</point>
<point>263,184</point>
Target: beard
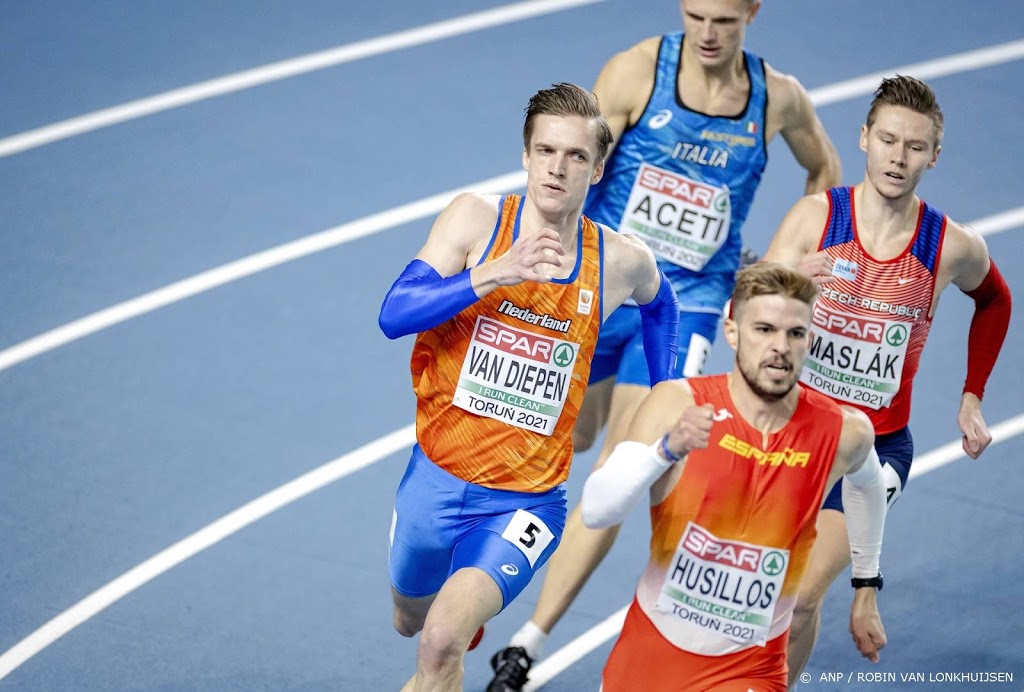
<point>773,390</point>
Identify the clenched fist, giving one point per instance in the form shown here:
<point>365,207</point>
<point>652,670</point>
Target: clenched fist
<point>691,431</point>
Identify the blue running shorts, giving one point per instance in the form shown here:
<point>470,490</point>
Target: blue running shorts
<point>620,346</point>
<point>442,524</point>
<point>896,452</point>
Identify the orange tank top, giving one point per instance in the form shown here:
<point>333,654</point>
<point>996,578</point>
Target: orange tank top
<point>499,386</point>
<point>731,541</point>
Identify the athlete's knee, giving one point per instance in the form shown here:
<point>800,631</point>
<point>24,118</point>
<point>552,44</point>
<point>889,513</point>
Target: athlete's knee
<point>407,624</point>
<point>409,614</point>
<point>441,646</point>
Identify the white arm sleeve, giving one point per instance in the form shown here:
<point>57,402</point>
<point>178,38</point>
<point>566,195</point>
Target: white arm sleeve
<point>864,505</point>
<point>612,490</point>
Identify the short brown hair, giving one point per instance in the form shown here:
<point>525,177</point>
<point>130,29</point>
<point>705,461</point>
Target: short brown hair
<point>770,279</point>
<point>909,93</point>
<point>565,99</point>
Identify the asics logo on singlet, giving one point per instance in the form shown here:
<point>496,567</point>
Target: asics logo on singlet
<point>660,119</point>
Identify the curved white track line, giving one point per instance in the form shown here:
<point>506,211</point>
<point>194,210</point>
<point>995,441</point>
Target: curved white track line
<point>374,451</point>
<point>597,635</point>
<point>349,463</point>
<point>283,69</point>
<point>252,511</point>
<point>375,223</point>
<point>260,261</point>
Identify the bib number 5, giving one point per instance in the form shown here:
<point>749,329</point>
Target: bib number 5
<point>529,534</point>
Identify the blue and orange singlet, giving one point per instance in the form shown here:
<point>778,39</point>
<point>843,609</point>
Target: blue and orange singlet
<point>871,322</point>
<point>499,386</point>
<point>731,541</point>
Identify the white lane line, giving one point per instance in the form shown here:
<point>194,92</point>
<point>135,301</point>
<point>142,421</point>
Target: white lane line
<point>260,261</point>
<point>201,540</point>
<point>312,481</point>
<point>180,290</point>
<point>546,670</point>
<point>365,456</point>
<point>600,633</point>
<point>283,69</point>
<point>997,223</point>
<point>929,69</point>
<point>182,550</point>
<point>368,225</point>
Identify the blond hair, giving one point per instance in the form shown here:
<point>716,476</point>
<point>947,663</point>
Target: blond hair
<point>770,279</point>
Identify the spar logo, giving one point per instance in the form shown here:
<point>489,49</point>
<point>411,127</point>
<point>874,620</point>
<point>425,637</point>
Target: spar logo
<point>520,343</point>
<point>774,563</point>
<point>677,186</point>
<point>897,335</point>
<point>564,355</point>
<point>860,328</point>
<point>705,546</point>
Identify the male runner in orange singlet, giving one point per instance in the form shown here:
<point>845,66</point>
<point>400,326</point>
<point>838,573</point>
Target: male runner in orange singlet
<point>506,296</point>
<point>735,484</point>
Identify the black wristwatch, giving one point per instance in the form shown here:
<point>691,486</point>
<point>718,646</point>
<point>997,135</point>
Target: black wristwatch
<point>870,581</point>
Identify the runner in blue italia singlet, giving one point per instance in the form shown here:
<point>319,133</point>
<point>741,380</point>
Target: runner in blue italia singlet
<point>684,182</point>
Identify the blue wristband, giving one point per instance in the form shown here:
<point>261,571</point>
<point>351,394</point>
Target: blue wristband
<point>665,451</point>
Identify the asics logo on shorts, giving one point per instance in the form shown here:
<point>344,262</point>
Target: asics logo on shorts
<point>510,570</point>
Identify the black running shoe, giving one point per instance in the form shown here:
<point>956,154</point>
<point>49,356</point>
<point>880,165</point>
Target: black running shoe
<point>510,668</point>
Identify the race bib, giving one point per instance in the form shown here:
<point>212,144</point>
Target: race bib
<point>682,220</point>
<point>856,359</point>
<point>527,532</point>
<point>725,587</point>
<point>515,376</point>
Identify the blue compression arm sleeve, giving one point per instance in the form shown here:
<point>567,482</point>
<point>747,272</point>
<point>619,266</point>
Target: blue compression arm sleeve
<point>659,321</point>
<point>421,299</point>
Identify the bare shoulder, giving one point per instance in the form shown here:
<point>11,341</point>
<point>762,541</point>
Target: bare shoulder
<point>626,80</point>
<point>787,97</point>
<point>800,230</point>
<point>636,60</point>
<point>474,206</point>
<point>660,409</point>
<point>459,230</point>
<point>811,209</point>
<point>625,252</point>
<point>964,260</point>
<point>630,271</point>
<point>672,392</point>
<point>470,215</point>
